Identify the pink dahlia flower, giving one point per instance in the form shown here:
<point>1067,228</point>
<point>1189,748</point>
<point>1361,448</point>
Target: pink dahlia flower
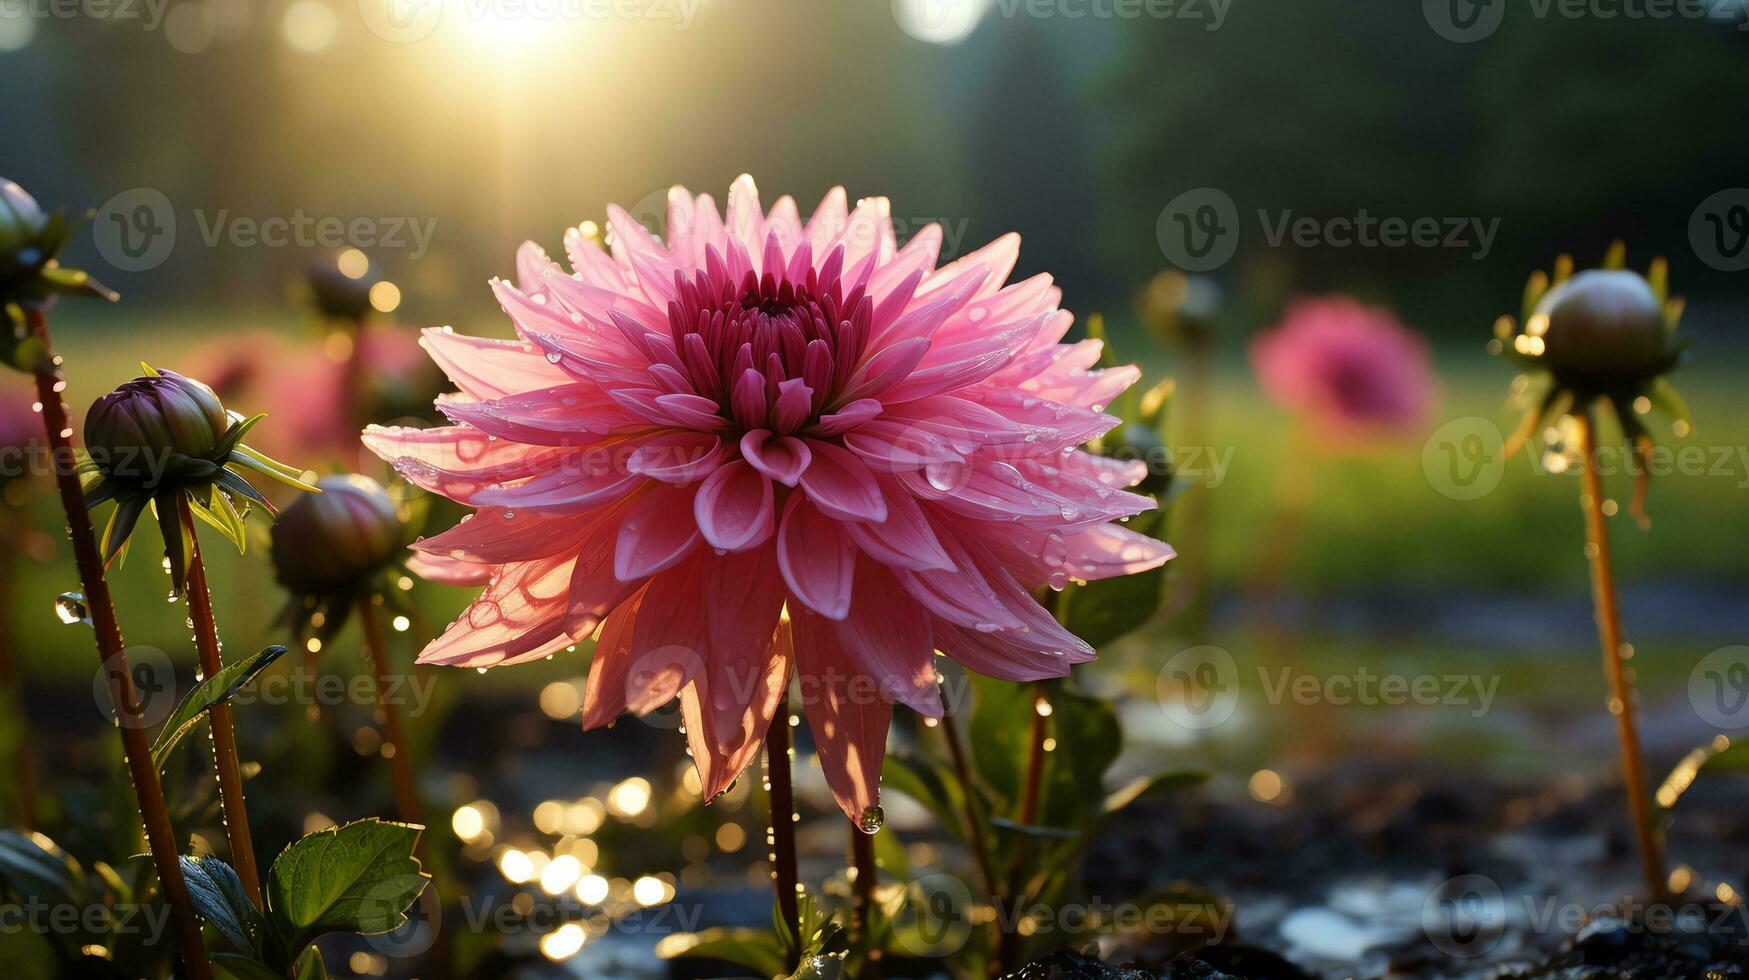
<point>1352,370</point>
<point>757,447</point>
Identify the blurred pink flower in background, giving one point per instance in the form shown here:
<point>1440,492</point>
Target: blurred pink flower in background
<point>317,394</point>
<point>1352,371</point>
<point>753,414</point>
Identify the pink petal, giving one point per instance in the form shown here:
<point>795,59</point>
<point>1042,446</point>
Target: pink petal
<point>490,537</point>
<point>846,713</point>
<point>722,751</point>
<point>783,459</point>
<point>743,597</point>
<point>667,646</point>
<point>489,369</point>
<point>905,539</point>
<point>841,485</point>
<point>448,571</point>
<point>678,457</point>
<point>890,640</point>
<point>817,558</point>
<point>520,615</point>
<point>734,507</point>
<point>656,530</point>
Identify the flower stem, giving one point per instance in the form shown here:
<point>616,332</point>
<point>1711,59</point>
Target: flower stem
<point>160,834</point>
<point>974,820</point>
<point>862,858</point>
<point>225,761</point>
<point>400,756</point>
<point>1621,702</point>
<point>23,762</point>
<point>783,824</point>
<point>1031,791</point>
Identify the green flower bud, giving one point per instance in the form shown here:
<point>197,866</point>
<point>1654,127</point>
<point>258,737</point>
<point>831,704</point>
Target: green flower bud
<point>22,223</point>
<point>1602,328</point>
<point>156,430</point>
<point>332,543</point>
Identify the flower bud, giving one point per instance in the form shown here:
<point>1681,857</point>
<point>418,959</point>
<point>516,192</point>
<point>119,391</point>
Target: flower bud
<point>22,223</point>
<point>331,543</point>
<point>162,428</point>
<point>1603,327</point>
<point>339,295</point>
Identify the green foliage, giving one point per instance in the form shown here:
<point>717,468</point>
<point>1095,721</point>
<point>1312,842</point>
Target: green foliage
<point>819,952</point>
<point>208,694</point>
<point>360,878</point>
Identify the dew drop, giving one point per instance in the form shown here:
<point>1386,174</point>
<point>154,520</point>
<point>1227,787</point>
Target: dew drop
<point>1059,580</point>
<point>70,608</point>
<point>554,357</point>
<point>871,820</point>
<point>1055,550</point>
<point>946,475</point>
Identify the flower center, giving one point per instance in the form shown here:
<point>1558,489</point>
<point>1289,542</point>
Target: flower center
<point>774,352</point>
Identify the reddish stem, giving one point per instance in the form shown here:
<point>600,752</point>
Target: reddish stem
<point>783,823</point>
<point>862,858</point>
<point>1621,702</point>
<point>226,763</point>
<point>23,763</point>
<point>160,834</point>
<point>400,755</point>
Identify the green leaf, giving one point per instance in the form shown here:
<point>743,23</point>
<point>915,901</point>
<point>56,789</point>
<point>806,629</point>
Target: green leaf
<point>217,894</point>
<point>890,856</point>
<point>217,689</point>
<point>755,949</point>
<point>236,966</point>
<point>928,783</point>
<point>1164,784</point>
<point>1029,830</point>
<point>1089,738</point>
<point>1000,733</point>
<point>33,871</point>
<point>360,878</point>
<point>311,966</point>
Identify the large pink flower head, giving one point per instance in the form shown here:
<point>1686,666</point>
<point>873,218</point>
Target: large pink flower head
<point>756,445</point>
<point>1352,370</point>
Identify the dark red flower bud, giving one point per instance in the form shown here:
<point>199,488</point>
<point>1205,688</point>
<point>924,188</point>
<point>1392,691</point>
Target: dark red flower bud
<point>331,543</point>
<point>158,429</point>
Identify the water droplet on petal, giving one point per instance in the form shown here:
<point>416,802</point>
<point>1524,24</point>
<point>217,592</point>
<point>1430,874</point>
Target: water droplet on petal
<point>1055,550</point>
<point>946,475</point>
<point>871,820</point>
